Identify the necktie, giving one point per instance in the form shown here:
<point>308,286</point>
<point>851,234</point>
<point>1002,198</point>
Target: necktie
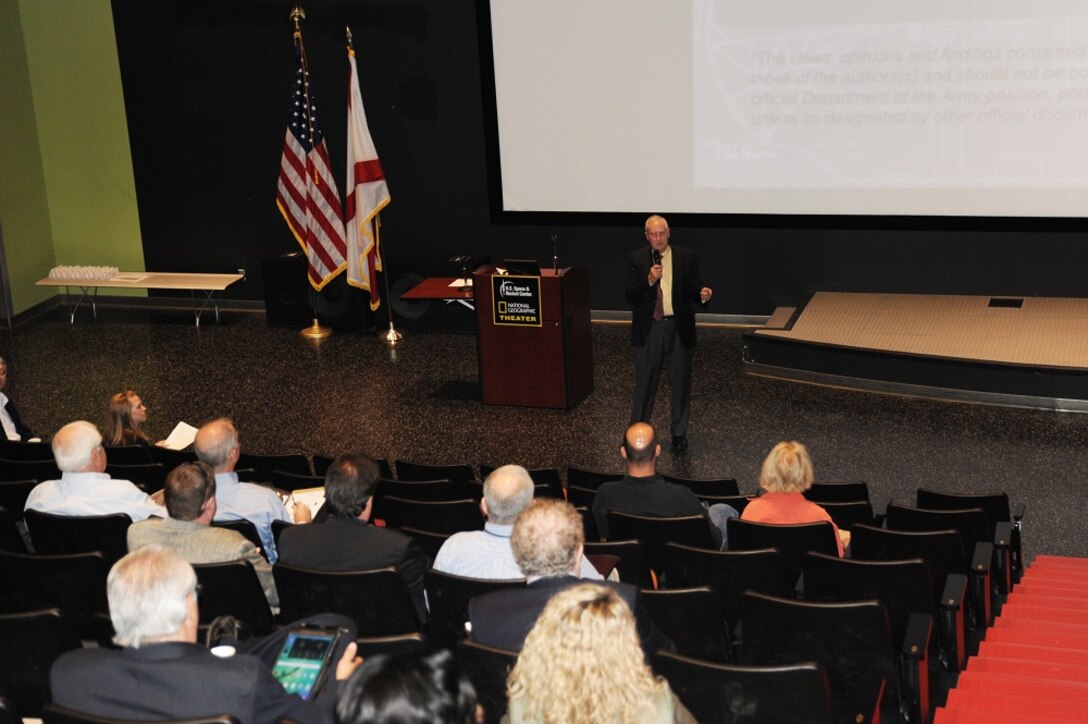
<point>659,304</point>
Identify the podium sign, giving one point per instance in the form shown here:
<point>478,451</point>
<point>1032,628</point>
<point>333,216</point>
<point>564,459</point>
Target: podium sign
<point>534,341</point>
<point>516,300</point>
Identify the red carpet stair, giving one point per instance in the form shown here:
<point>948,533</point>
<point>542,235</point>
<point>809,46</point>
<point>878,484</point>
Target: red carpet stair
<point>1033,665</point>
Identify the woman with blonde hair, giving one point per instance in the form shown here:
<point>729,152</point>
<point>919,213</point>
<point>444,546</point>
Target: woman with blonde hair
<point>125,415</point>
<point>785,476</point>
<point>582,663</point>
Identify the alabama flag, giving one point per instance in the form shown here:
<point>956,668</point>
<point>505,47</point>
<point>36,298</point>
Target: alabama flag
<point>367,195</point>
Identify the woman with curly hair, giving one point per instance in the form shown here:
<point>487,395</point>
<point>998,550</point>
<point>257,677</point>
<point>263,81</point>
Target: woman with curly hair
<point>582,663</point>
<point>124,417</point>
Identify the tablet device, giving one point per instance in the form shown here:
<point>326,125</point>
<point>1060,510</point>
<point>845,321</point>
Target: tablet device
<point>304,661</point>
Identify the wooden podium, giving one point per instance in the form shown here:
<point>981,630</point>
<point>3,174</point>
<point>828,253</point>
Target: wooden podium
<point>534,358</point>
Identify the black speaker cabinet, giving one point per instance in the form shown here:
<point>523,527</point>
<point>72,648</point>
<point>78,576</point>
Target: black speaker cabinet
<point>429,315</point>
<point>287,297</point>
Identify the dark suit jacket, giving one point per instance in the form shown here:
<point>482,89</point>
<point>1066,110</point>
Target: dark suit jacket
<point>176,680</point>
<point>686,283</point>
<point>349,544</point>
<point>25,433</point>
<point>504,618</point>
<point>650,496</point>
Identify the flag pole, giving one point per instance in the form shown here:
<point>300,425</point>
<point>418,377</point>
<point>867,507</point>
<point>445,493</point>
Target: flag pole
<point>392,336</point>
<point>315,330</point>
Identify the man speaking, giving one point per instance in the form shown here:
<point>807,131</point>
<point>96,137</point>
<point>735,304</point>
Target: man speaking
<point>663,286</point>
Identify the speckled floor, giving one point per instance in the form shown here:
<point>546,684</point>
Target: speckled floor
<point>351,393</point>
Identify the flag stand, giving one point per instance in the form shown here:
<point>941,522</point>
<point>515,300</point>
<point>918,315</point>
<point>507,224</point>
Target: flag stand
<point>315,330</point>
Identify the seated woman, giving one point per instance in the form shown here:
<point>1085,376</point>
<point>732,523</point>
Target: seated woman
<point>408,689</point>
<point>582,662</point>
<point>123,420</point>
<point>786,474</point>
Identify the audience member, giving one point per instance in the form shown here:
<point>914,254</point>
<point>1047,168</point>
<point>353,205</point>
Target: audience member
<point>547,543</point>
<point>14,429</point>
<point>642,492</point>
<point>581,663</point>
<point>346,541</point>
<point>84,488</point>
<point>487,553</point>
<point>409,689</point>
<point>162,673</point>
<point>125,415</point>
<point>786,474</point>
<point>217,446</point>
<point>189,494</point>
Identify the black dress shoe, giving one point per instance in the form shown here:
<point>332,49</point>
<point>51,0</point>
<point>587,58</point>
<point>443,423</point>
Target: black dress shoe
<point>680,443</point>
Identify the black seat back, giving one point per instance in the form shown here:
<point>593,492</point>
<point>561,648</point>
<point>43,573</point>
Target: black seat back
<point>148,477</point>
<point>294,481</point>
<point>127,455</point>
<point>458,473</point>
<point>19,450</point>
<point>32,641</point>
<point>904,587</point>
<point>692,619</point>
<point>433,491</point>
<point>56,714</point>
<point>581,497</point>
<point>729,693</point>
<point>488,669</point>
<point>55,534</point>
<point>847,515</point>
<point>729,574</point>
<point>10,538</point>
<point>633,566</point>
<point>430,542</point>
<point>172,458</point>
<point>852,641</point>
<point>233,589</point>
<point>589,479</point>
<point>941,550</point>
<point>29,469</point>
<point>439,517</point>
<point>322,463</point>
<point>995,505</point>
<point>448,596</point>
<point>715,487</point>
<point>838,492</point>
<point>971,523</point>
<point>792,540</point>
<point>13,495</point>
<point>246,528</point>
<point>72,582</point>
<point>691,530</point>
<point>378,600</point>
<point>265,465</point>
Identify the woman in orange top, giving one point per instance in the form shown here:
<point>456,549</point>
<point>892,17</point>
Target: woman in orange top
<point>786,474</point>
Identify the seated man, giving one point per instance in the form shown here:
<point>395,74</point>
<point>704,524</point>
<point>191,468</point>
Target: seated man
<point>487,553</point>
<point>547,543</point>
<point>84,488</point>
<point>189,494</point>
<point>162,673</point>
<point>217,446</point>
<point>346,541</point>
<point>13,427</point>
<point>642,492</point>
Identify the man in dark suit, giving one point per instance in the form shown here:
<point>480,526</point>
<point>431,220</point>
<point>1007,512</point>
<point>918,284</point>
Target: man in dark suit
<point>547,541</point>
<point>13,427</point>
<point>162,673</point>
<point>346,541</point>
<point>663,286</point>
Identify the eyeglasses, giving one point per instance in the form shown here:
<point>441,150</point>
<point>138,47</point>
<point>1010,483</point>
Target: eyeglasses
<point>657,234</point>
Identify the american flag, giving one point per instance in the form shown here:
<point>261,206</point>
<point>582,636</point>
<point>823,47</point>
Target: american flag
<point>368,194</point>
<point>306,192</point>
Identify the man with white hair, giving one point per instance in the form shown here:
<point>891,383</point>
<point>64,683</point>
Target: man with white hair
<point>162,673</point>
<point>84,487</point>
<point>547,543</point>
<point>487,553</point>
<point>217,446</point>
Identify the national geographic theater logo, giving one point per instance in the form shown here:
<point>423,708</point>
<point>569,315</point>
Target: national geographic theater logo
<point>516,300</point>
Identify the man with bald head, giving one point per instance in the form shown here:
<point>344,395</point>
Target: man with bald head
<point>217,446</point>
<point>642,492</point>
<point>487,553</point>
<point>663,286</point>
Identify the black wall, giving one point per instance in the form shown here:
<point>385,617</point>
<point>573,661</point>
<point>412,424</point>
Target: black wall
<point>207,85</point>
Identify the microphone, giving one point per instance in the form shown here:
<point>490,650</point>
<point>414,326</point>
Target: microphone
<point>657,261</point>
